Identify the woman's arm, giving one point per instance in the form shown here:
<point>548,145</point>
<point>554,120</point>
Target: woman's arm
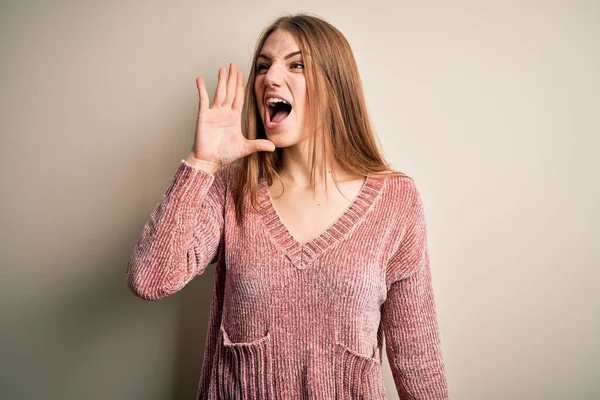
<point>182,236</point>
<point>409,312</point>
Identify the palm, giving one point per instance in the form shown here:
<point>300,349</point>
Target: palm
<point>219,135</point>
<point>224,134</point>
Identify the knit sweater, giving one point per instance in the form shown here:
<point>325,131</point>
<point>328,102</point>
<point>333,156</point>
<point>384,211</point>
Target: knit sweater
<point>292,320</point>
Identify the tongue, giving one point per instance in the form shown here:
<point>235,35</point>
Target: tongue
<point>280,116</point>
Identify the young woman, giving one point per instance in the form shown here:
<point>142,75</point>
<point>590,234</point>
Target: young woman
<point>309,280</point>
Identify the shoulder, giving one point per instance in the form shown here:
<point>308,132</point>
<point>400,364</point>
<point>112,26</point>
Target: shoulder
<point>401,193</point>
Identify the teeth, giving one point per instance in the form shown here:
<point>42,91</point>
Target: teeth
<point>273,100</point>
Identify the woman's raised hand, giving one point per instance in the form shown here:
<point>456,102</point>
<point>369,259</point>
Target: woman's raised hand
<point>219,139</point>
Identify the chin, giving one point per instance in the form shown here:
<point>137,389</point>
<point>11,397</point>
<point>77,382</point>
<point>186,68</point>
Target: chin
<point>280,139</point>
<point>285,135</point>
<point>289,141</point>
<point>283,138</point>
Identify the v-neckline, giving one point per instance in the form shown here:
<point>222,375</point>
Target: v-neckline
<point>302,254</point>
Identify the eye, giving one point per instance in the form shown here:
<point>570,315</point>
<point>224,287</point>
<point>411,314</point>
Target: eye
<point>298,64</point>
<point>261,67</point>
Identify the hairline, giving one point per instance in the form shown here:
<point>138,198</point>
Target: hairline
<point>292,54</point>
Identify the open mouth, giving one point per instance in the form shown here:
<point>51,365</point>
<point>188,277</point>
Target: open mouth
<point>278,111</point>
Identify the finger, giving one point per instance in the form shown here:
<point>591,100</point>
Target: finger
<point>220,91</point>
<point>231,84</point>
<point>238,102</point>
<point>252,146</point>
<point>203,95</point>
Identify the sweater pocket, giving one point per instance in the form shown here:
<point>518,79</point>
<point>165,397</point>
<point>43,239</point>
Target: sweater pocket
<point>245,370</point>
<point>357,377</point>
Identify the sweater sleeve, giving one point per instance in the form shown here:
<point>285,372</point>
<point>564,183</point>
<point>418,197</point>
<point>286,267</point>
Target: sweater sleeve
<point>409,312</point>
<point>181,237</point>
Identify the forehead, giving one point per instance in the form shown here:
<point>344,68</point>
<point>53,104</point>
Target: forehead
<point>279,44</point>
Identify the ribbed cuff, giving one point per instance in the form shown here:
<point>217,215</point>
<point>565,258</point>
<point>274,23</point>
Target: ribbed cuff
<point>190,185</point>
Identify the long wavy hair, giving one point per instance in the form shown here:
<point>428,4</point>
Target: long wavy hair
<point>336,110</point>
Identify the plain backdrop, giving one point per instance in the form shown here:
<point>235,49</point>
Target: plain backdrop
<point>491,106</point>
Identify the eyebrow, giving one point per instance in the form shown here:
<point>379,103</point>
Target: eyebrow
<point>295,53</point>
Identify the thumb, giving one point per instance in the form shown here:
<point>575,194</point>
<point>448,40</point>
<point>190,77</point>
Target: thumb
<point>260,145</point>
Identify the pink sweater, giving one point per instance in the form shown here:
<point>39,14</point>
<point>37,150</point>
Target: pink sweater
<point>293,320</point>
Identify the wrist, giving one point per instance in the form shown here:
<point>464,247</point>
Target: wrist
<point>206,165</point>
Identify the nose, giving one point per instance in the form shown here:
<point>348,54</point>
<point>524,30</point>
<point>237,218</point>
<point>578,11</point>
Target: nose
<point>274,75</point>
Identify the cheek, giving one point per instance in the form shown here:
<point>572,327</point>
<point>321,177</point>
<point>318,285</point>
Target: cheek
<point>300,94</point>
<point>300,105</point>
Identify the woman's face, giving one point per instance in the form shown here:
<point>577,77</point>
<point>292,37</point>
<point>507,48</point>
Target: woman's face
<point>280,75</point>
